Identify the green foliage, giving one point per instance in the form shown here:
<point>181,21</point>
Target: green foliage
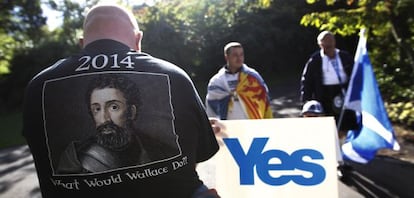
<point>20,21</point>
<point>7,44</point>
<point>27,60</point>
<point>186,28</point>
<point>21,18</point>
<point>26,63</point>
<point>193,20</point>
<point>401,112</point>
<point>192,34</point>
<point>73,16</point>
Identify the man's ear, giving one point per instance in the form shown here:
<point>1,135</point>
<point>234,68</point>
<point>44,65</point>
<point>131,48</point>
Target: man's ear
<point>138,39</point>
<point>133,112</point>
<point>81,42</point>
<point>225,58</point>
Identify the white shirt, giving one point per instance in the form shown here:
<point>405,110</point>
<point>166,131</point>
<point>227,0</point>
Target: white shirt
<point>237,111</point>
<point>329,73</point>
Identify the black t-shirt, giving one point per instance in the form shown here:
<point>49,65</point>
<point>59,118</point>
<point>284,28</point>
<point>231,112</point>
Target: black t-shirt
<point>110,122</point>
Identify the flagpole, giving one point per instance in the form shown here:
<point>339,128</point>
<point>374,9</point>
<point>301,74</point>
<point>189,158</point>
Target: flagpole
<point>341,115</point>
<point>346,95</point>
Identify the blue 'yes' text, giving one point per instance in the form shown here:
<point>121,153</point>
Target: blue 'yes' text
<point>256,157</point>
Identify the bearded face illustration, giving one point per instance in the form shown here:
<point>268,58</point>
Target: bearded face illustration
<point>113,136</point>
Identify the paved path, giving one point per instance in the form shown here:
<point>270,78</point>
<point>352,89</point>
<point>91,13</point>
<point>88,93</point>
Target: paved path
<point>18,177</point>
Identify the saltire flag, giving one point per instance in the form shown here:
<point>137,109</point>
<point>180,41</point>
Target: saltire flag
<point>363,96</point>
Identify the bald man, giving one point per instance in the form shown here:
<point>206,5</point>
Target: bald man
<point>92,136</point>
<point>116,23</point>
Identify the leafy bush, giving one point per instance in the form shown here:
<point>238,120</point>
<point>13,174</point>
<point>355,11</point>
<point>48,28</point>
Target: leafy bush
<point>401,112</point>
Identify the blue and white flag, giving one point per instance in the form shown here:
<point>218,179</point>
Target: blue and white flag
<point>364,97</point>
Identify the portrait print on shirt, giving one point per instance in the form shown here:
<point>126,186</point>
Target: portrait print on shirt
<point>108,121</point>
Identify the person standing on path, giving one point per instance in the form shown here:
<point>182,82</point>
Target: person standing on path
<point>237,91</point>
<point>325,79</point>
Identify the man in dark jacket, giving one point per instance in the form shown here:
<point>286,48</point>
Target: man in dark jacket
<point>326,75</point>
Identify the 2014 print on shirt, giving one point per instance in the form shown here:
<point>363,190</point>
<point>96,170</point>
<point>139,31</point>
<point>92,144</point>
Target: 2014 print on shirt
<point>107,121</point>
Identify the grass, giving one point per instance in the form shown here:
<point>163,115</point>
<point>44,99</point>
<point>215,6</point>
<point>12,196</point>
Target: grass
<point>11,130</point>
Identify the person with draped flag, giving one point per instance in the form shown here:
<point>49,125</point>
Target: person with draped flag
<point>237,91</point>
<point>363,96</point>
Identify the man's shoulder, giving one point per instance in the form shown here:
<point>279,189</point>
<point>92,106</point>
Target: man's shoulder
<point>344,53</point>
<point>316,55</point>
<point>250,70</point>
<point>160,65</point>
<point>219,73</point>
<point>46,73</point>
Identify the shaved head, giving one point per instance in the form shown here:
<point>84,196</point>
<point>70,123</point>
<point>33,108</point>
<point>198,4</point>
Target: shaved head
<point>110,21</point>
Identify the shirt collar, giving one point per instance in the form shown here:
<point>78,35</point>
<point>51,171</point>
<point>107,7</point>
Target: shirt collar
<point>106,45</point>
<point>323,54</point>
<point>226,69</point>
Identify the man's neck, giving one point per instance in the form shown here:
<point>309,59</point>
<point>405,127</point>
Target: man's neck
<point>330,53</point>
<point>232,70</point>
